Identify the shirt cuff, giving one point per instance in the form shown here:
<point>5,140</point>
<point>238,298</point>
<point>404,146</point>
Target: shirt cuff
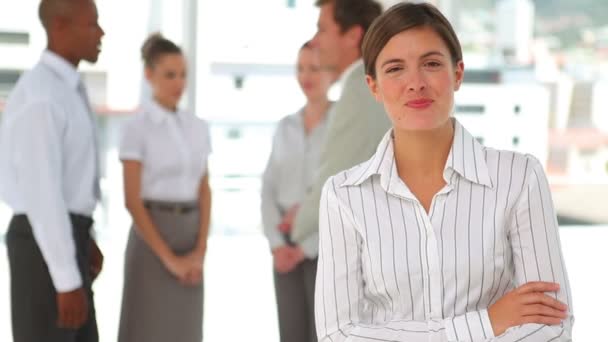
<point>472,326</point>
<point>275,240</point>
<point>305,223</point>
<point>66,278</point>
<point>310,246</point>
<point>125,155</point>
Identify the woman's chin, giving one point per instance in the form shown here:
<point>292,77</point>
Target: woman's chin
<point>419,123</point>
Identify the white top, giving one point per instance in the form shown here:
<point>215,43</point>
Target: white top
<point>47,161</point>
<point>173,148</point>
<point>290,171</point>
<point>388,271</point>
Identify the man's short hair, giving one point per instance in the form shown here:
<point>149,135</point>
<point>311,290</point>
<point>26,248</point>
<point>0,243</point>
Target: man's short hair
<point>50,9</point>
<point>349,13</point>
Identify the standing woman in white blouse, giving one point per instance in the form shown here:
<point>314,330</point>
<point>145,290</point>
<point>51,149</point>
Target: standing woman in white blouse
<point>290,170</point>
<point>164,153</point>
<point>436,238</point>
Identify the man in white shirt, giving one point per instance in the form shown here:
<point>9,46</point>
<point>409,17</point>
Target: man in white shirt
<point>49,176</point>
<point>357,122</point>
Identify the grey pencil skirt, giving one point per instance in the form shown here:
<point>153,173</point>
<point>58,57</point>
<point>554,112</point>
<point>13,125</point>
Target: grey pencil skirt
<point>155,306</point>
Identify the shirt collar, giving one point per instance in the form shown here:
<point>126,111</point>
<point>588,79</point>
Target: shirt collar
<point>336,89</point>
<point>158,113</point>
<point>61,67</point>
<point>466,158</point>
<point>350,70</point>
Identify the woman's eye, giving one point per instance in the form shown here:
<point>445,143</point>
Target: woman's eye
<point>393,69</point>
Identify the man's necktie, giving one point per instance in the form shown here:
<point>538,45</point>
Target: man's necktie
<point>85,98</point>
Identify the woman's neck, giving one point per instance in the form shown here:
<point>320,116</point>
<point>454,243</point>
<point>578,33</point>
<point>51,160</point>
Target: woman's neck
<point>314,112</point>
<point>171,107</point>
<point>423,153</point>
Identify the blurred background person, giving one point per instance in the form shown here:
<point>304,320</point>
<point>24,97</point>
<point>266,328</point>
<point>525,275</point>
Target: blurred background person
<point>50,179</point>
<point>357,122</point>
<point>164,154</point>
<point>290,171</point>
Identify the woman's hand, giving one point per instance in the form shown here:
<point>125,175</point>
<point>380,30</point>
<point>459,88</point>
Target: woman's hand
<point>287,258</point>
<point>527,304</point>
<point>283,260</point>
<point>288,218</point>
<point>196,259</point>
<point>193,278</point>
<point>177,265</point>
<point>187,269</point>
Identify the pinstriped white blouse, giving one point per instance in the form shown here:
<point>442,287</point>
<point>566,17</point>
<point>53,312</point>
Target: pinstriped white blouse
<point>388,271</point>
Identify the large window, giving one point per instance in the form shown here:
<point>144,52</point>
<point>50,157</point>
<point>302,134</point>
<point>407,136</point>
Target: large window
<point>536,79</point>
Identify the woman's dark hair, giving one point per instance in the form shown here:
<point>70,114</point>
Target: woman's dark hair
<point>402,17</point>
<point>155,47</point>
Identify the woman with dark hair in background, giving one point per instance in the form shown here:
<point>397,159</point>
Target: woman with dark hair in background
<point>436,237</point>
<point>164,154</point>
<point>290,170</point>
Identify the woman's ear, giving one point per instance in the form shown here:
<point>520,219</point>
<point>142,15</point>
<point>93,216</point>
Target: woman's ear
<point>459,75</point>
<point>372,84</point>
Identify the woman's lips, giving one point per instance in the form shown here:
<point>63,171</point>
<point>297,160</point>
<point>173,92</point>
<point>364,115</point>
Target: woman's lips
<point>419,103</point>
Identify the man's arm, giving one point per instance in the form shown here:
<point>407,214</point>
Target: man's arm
<point>39,169</point>
<point>271,213</point>
<point>37,133</point>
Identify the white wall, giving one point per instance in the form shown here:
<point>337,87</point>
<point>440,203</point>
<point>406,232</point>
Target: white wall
<point>499,123</point>
<point>599,105</point>
<point>515,28</point>
<point>21,16</point>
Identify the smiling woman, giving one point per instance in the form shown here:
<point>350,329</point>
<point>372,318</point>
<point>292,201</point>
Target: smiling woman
<point>417,88</point>
<point>436,237</point>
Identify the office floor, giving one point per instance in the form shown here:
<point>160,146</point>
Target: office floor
<point>239,297</point>
<point>239,300</point>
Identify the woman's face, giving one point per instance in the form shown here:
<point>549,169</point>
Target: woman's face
<point>167,78</point>
<point>313,80</point>
<point>416,80</point>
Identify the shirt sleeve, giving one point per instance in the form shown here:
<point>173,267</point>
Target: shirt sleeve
<point>310,245</point>
<point>306,222</point>
<point>340,284</point>
<point>271,212</point>
<point>537,255</point>
<point>204,144</point>
<point>132,143</point>
<point>208,137</point>
<point>38,165</point>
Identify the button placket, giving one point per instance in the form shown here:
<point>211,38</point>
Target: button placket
<point>182,149</point>
<point>434,253</point>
